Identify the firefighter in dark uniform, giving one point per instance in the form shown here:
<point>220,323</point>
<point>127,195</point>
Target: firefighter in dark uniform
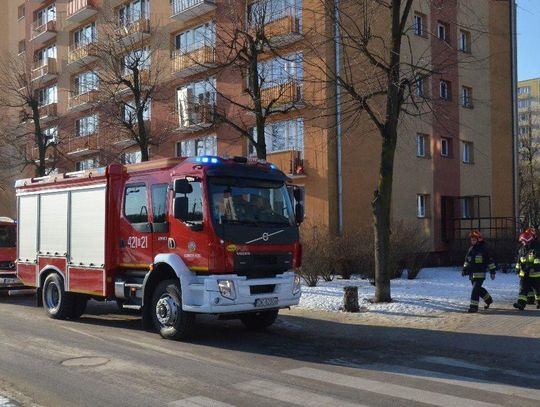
<point>528,267</point>
<point>477,262</point>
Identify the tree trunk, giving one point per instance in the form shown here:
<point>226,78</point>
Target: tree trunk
<point>41,143</point>
<point>382,217</point>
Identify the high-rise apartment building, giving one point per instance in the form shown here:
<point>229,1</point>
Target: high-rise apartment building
<point>453,163</point>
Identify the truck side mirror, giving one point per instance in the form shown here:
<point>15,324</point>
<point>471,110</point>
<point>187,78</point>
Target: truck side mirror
<point>182,186</point>
<point>298,194</point>
<point>299,213</point>
<point>181,208</point>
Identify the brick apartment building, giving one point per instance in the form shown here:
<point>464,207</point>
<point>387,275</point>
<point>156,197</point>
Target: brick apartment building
<point>455,163</point>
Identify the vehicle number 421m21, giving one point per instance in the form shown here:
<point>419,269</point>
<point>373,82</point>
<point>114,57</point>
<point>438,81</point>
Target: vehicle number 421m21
<point>135,242</point>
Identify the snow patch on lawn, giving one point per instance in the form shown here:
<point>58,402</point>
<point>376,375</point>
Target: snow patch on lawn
<point>434,290</point>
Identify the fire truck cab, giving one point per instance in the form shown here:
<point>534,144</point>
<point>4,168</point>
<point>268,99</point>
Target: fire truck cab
<point>171,237</point>
<point>8,253</point>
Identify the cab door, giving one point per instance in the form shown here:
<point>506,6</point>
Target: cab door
<point>160,226</point>
<point>135,227</point>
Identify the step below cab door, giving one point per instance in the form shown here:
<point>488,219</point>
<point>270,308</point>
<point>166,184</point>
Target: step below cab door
<point>135,227</point>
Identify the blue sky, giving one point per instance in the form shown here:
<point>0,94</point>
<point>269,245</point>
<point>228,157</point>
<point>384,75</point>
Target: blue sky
<point>528,33</point>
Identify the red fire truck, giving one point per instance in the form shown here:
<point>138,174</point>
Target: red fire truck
<point>8,253</point>
<point>171,237</point>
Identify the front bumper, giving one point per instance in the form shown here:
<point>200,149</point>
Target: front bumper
<point>8,279</point>
<point>203,295</point>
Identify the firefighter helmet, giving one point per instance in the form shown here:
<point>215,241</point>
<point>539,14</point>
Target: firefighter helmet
<point>475,234</point>
<point>527,236</point>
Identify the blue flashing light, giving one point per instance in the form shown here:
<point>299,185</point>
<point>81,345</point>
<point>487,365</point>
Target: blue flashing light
<point>273,167</point>
<point>214,160</point>
<point>207,160</point>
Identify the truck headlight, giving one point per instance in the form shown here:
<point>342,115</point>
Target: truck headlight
<point>226,288</point>
<point>297,284</point>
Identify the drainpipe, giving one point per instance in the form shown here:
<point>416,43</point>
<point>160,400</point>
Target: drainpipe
<point>515,147</point>
<point>339,163</point>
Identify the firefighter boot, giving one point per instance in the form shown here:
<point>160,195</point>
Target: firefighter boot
<point>472,309</point>
<point>488,300</point>
<point>530,298</point>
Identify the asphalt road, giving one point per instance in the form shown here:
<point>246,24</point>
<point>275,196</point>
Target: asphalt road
<point>107,359</point>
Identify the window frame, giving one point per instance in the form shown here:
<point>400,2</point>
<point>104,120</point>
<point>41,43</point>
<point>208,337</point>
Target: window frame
<point>133,185</point>
<point>467,97</point>
<point>447,141</point>
<point>422,145</point>
<point>153,188</point>
<point>419,30</point>
<point>467,153</point>
<point>422,202</point>
<point>444,84</point>
<point>465,43</point>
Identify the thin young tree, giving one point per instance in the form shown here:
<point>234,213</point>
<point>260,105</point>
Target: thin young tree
<point>25,140</point>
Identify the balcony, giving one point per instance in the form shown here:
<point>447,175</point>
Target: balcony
<point>44,71</point>
<point>184,10</point>
<point>80,10</point>
<point>43,32</point>
<point>189,63</point>
<point>197,117</point>
<point>144,81</point>
<point>123,140</point>
<point>83,101</point>
<point>48,113</point>
<point>282,96</point>
<point>83,54</point>
<point>79,146</point>
<point>134,32</point>
<point>283,31</point>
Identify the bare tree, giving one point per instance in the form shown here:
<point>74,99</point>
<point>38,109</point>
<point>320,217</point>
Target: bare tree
<point>24,138</point>
<point>252,50</point>
<point>129,70</point>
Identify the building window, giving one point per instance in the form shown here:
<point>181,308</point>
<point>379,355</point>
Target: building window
<point>466,97</point>
<point>442,31</point>
<point>464,41</point>
<point>419,24</point>
<point>44,54</point>
<point>420,87</point>
<point>85,82</point>
<point>138,59</point>
<point>523,131</point>
<point>444,90</point>
<point>133,11</point>
<point>197,147</point>
<point>467,207</point>
<point>278,71</point>
<point>132,157</point>
<point>51,135</point>
<point>129,113</point>
<point>524,90</point>
<point>196,38</point>
<point>22,47</point>
<point>445,147</point>
<point>422,205</point>
<point>20,11</point>
<point>524,117</point>
<point>467,152</point>
<point>422,145</point>
<point>85,35</point>
<point>196,103</point>
<point>287,135</point>
<point>524,103</point>
<point>45,15</point>
<point>47,96</point>
<point>86,125</point>
<point>87,164</point>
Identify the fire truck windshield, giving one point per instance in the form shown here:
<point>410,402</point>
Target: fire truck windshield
<point>7,236</point>
<point>250,201</point>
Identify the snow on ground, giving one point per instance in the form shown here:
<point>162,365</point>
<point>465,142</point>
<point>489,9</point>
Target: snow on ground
<point>434,290</point>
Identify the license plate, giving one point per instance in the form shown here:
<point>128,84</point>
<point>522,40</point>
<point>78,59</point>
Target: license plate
<point>266,302</point>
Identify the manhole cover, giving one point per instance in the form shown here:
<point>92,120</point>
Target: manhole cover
<point>85,361</point>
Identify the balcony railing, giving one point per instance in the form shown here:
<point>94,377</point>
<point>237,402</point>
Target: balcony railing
<point>43,32</point>
<point>183,10</point>
<point>82,53</point>
<point>83,101</point>
<point>281,95</point>
<point>283,31</point>
<point>48,112</point>
<point>189,63</point>
<point>44,70</point>
<point>80,10</point>
<point>83,145</point>
<point>133,32</point>
<point>197,116</point>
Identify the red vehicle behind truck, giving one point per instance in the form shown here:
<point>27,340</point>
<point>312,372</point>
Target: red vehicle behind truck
<point>172,238</point>
<point>8,254</point>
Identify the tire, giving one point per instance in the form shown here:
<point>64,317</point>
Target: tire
<point>57,303</point>
<point>79,306</point>
<point>259,321</point>
<point>169,319</point>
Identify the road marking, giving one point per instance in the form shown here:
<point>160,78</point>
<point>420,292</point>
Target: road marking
<point>386,389</point>
<point>478,384</point>
<point>199,402</point>
<point>291,395</point>
<point>439,360</point>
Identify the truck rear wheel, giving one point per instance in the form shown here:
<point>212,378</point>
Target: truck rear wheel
<point>171,321</point>
<point>259,321</point>
<point>58,304</point>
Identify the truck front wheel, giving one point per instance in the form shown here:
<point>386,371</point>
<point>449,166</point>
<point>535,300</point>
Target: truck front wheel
<point>259,321</point>
<point>169,318</point>
<point>58,304</point>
